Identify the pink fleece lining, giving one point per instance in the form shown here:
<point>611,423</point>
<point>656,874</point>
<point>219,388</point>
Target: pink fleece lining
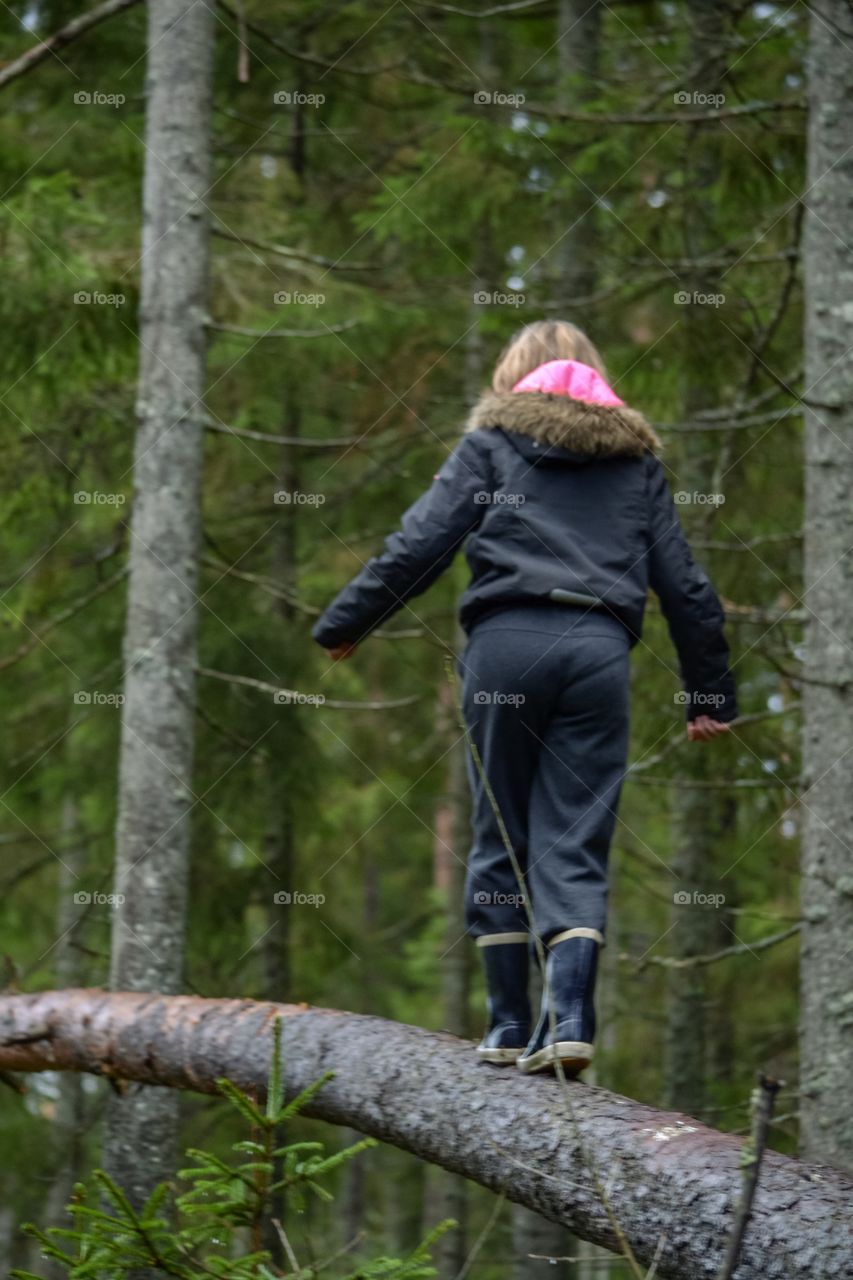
<point>569,378</point>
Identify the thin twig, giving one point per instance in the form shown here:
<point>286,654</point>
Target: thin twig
<point>69,611</point>
<point>292,697</point>
<point>244,332</point>
<point>301,442</point>
<point>482,1237</point>
<point>763,1099</point>
<point>284,251</point>
<point>288,1248</point>
<point>688,962</point>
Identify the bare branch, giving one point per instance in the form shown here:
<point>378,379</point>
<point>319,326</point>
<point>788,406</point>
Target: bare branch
<point>281,333</point>
<point>292,697</point>
<point>64,36</point>
<point>283,251</point>
<point>690,962</point>
<point>36,637</point>
<point>301,442</point>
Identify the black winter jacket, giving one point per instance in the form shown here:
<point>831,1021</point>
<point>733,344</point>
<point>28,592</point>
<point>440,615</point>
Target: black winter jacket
<point>551,492</point>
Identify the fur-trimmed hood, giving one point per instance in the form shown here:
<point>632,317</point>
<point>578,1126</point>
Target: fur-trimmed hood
<point>598,430</point>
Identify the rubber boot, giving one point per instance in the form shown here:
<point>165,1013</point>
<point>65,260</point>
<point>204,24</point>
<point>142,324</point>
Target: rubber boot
<point>569,988</point>
<point>505,960</point>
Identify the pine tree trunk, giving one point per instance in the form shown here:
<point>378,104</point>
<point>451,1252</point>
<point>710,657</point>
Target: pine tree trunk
<point>9,1235</point>
<point>280,845</point>
<point>69,1126</point>
<point>577,249</point>
<point>451,845</point>
<point>826,1020</point>
<point>155,769</point>
<point>700,816</point>
<point>450,851</point>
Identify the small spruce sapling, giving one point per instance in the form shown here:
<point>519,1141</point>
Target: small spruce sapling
<point>201,1233</point>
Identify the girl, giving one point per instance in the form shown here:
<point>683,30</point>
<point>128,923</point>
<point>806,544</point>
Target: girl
<point>567,519</point>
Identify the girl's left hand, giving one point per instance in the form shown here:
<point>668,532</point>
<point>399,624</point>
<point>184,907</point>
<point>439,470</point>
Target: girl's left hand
<point>704,728</point>
<point>342,651</point>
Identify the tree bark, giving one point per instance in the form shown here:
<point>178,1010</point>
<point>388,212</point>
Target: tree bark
<point>701,818</point>
<point>450,852</point>
<point>578,251</point>
<point>673,1184</point>
<point>69,1125</point>
<point>826,1019</point>
<point>155,768</point>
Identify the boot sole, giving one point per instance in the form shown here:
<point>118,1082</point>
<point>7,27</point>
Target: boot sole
<point>573,1054</point>
<point>501,1057</point>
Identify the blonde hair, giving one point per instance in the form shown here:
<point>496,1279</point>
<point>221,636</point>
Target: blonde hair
<point>539,342</point>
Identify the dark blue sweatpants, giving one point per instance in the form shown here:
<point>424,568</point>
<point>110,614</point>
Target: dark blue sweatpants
<point>545,697</point>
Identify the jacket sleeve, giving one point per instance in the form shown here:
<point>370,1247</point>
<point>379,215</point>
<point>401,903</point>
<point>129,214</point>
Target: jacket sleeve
<point>691,607</point>
<point>431,532</point>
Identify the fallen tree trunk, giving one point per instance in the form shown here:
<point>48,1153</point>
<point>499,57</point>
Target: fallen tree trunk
<point>672,1184</point>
